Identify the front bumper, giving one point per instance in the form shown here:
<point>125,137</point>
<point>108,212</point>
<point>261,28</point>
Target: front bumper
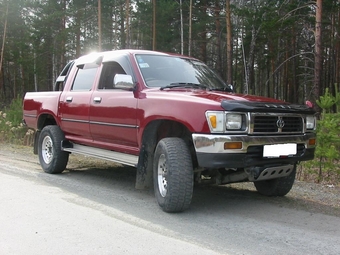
<point>210,150</point>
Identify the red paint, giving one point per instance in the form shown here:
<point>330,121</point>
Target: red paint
<point>117,122</point>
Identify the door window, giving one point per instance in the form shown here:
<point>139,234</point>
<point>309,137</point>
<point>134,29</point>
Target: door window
<point>84,79</point>
<point>110,69</point>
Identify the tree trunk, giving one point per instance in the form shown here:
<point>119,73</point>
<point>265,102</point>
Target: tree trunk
<point>154,25</point>
<point>218,38</point>
<point>318,53</point>
<point>249,69</point>
<point>190,29</point>
<point>79,15</point>
<point>3,41</point>
<point>182,33</point>
<point>337,67</point>
<point>122,28</point>
<point>127,23</point>
<point>63,41</point>
<point>99,25</point>
<point>203,34</point>
<point>116,28</point>
<point>229,44</point>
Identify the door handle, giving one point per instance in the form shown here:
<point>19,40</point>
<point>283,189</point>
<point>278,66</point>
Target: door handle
<point>97,99</point>
<point>69,99</point>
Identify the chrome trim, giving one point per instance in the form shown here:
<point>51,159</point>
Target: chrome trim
<point>248,127</point>
<point>97,99</point>
<point>69,99</point>
<point>30,115</point>
<point>206,143</point>
<point>74,120</point>
<point>279,116</point>
<point>100,123</point>
<point>113,124</point>
<point>122,158</point>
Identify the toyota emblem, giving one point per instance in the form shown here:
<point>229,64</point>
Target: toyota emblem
<point>280,123</point>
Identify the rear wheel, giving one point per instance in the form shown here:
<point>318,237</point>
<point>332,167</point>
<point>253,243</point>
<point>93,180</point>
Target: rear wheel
<point>276,187</point>
<point>173,175</point>
<point>52,159</point>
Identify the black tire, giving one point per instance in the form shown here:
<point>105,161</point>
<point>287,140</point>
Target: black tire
<point>276,187</point>
<point>52,159</point>
<point>173,175</point>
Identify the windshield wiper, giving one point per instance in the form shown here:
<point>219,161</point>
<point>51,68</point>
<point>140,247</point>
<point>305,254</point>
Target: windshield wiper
<point>184,85</point>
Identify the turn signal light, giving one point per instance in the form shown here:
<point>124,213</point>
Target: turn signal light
<point>213,121</point>
<point>312,141</point>
<point>233,146</point>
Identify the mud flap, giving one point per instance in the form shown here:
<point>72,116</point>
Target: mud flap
<point>36,141</point>
<point>144,169</point>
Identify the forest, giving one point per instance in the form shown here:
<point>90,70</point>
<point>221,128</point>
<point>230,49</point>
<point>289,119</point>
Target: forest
<point>286,49</point>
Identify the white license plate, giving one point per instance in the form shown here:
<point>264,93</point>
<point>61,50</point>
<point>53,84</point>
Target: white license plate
<point>277,150</point>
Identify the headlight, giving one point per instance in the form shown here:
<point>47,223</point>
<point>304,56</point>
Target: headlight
<point>216,121</point>
<point>310,122</point>
<point>233,121</point>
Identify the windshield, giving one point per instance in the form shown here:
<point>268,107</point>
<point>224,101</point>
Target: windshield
<point>173,71</point>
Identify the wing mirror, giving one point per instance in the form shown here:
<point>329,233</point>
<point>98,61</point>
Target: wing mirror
<point>229,88</point>
<point>59,84</point>
<point>123,81</point>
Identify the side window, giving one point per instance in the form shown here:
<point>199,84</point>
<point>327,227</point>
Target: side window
<point>59,84</point>
<point>110,69</point>
<point>84,78</point>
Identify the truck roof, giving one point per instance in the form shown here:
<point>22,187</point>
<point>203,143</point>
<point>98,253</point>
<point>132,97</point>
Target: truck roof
<point>106,56</point>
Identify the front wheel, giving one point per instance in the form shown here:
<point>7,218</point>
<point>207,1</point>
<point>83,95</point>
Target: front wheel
<point>276,187</point>
<point>173,175</point>
<point>52,159</point>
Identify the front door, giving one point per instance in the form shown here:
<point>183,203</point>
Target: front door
<point>113,120</point>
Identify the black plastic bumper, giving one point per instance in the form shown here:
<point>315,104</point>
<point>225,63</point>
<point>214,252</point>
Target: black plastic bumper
<point>252,158</point>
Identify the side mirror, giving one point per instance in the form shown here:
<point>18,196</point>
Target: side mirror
<point>123,81</point>
<point>229,88</point>
<point>59,84</point>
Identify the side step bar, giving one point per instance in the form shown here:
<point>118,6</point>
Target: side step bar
<point>122,158</point>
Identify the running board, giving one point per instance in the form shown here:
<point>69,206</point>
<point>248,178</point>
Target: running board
<point>122,158</point>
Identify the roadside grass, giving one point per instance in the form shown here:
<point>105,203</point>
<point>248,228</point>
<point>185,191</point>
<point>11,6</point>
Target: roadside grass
<point>327,173</point>
<point>12,130</point>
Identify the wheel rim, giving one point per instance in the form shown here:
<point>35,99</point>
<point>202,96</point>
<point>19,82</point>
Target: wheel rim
<point>47,149</point>
<point>161,175</point>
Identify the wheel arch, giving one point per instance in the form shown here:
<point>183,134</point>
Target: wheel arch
<point>44,120</point>
<point>152,134</point>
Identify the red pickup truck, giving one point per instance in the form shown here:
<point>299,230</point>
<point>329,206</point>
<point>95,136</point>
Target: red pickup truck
<point>172,118</point>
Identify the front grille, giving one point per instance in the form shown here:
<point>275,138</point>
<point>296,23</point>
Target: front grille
<point>276,124</point>
<point>292,124</point>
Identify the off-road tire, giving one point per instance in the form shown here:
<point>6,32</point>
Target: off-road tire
<point>173,175</point>
<point>52,159</point>
<point>276,187</point>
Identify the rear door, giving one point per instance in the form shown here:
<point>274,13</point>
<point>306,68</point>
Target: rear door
<point>75,103</point>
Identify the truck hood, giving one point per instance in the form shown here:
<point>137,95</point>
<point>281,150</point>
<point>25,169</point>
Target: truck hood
<point>232,102</point>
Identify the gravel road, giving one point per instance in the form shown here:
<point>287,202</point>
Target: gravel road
<point>93,208</point>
